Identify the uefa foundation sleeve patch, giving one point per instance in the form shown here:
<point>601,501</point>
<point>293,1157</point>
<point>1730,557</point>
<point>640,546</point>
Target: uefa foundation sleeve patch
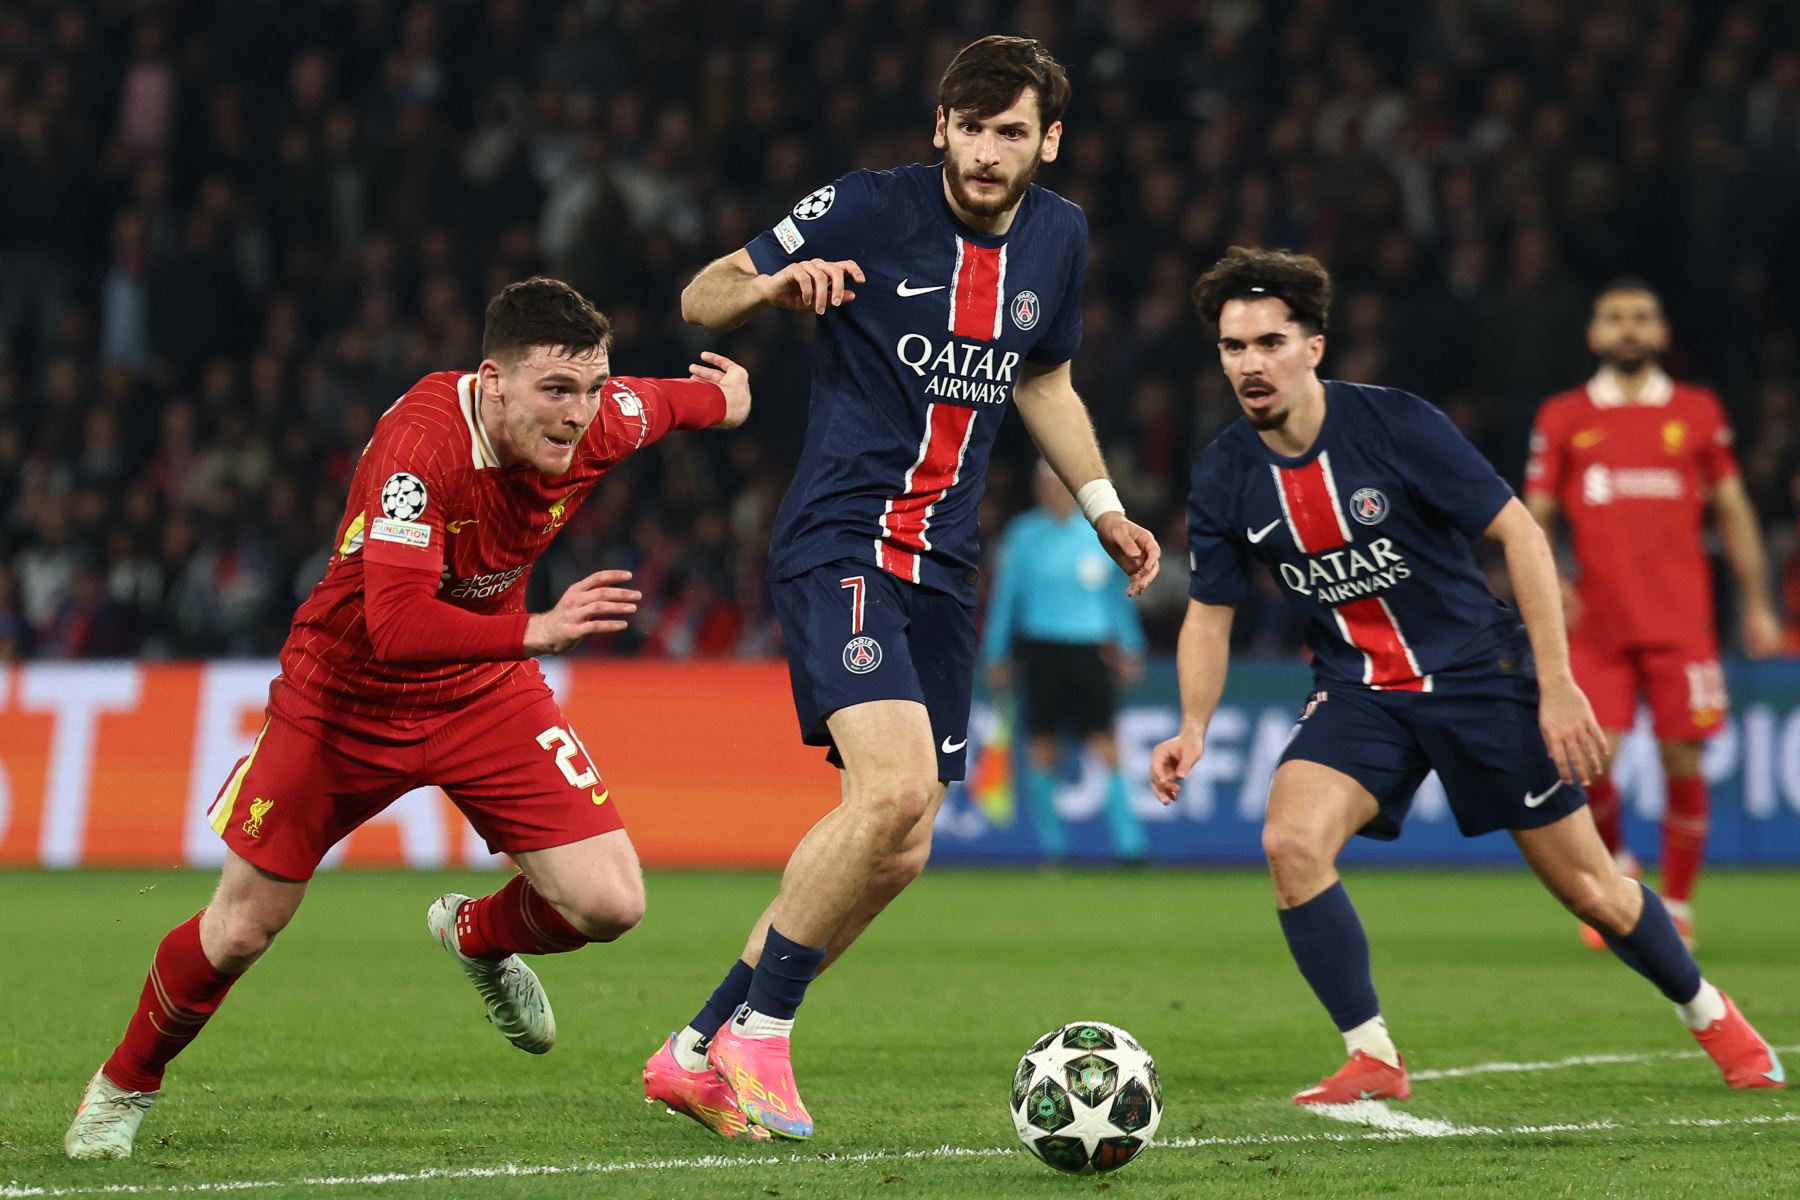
<point>405,533</point>
<point>789,235</point>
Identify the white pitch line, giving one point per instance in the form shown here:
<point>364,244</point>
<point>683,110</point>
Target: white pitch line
<point>1386,1123</point>
<point>1561,1064</point>
<point>1389,1120</point>
<point>1397,1125</point>
<point>1390,1128</point>
<point>1760,1119</point>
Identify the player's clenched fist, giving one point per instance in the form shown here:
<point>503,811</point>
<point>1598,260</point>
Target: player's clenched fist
<point>731,379</point>
<point>814,284</point>
<point>593,605</point>
<point>1170,763</point>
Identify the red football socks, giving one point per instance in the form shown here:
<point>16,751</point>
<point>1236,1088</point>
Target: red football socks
<point>1683,837</point>
<point>182,990</point>
<point>514,920</point>
<point>1603,802</point>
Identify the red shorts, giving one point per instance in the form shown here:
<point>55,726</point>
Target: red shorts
<point>1683,684</point>
<point>508,760</point>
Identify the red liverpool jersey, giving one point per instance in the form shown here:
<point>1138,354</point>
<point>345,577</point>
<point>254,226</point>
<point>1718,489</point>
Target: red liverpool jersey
<point>429,493</point>
<point>1632,480</point>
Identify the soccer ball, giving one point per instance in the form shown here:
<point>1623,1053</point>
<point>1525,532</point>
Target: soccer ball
<point>1085,1098</point>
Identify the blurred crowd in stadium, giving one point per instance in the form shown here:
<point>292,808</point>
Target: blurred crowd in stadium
<point>231,234</point>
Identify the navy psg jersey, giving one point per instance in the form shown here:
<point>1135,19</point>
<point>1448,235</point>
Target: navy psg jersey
<point>912,378</point>
<point>1367,534</point>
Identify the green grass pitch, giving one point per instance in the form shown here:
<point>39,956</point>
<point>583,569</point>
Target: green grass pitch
<point>356,1051</point>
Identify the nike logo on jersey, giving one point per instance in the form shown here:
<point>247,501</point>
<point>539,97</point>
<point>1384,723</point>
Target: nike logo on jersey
<point>1257,535</point>
<point>459,526</point>
<point>1587,437</point>
<point>1532,801</point>
<point>599,797</point>
<point>918,291</point>
<point>950,747</point>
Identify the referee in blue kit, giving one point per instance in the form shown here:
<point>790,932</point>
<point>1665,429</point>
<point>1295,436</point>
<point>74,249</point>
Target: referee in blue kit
<point>1058,612</point>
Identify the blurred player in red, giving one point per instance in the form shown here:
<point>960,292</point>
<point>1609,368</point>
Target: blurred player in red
<point>1632,460</point>
<point>412,663</point>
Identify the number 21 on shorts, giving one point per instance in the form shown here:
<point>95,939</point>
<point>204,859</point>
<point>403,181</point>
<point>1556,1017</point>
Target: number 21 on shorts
<point>566,745</point>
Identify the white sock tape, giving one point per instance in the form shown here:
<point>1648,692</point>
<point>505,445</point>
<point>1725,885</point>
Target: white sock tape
<point>1098,497</point>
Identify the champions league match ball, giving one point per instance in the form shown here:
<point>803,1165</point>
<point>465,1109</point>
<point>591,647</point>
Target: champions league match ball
<point>1086,1099</point>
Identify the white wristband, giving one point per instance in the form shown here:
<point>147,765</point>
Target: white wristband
<point>1098,497</point>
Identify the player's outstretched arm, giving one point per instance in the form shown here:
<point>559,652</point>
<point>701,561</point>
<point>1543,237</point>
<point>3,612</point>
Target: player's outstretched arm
<point>1059,424</point>
<point>730,378</point>
<point>1571,733</point>
<point>1201,656</point>
<point>730,290</point>
<point>593,605</point>
<point>1743,545</point>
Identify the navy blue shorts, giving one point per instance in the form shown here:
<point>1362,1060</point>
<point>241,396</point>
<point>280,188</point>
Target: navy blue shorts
<point>1482,740</point>
<point>855,633</point>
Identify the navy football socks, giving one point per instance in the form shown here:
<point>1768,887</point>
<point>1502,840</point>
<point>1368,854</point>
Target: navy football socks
<point>1326,938</point>
<point>782,973</point>
<point>1653,949</point>
<point>724,1001</point>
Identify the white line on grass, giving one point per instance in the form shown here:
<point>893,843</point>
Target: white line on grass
<point>1398,1125</point>
<point>1379,1115</point>
<point>1389,1126</point>
<point>1561,1064</point>
<point>1385,1123</point>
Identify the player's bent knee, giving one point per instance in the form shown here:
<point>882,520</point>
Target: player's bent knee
<point>1597,902</point>
<point>896,806</point>
<point>239,937</point>
<point>605,914</point>
<point>1289,849</point>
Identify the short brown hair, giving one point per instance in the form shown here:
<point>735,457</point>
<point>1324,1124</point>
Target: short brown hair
<point>542,312</point>
<point>1627,283</point>
<point>1299,280</point>
<point>987,76</point>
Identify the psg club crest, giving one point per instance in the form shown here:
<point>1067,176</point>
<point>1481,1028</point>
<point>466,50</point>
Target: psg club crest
<point>403,496</point>
<point>862,655</point>
<point>1025,310</point>
<point>1369,506</point>
<point>816,204</point>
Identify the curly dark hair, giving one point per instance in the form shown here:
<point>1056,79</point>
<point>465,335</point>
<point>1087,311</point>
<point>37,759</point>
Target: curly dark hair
<point>986,76</point>
<point>542,312</point>
<point>1300,280</point>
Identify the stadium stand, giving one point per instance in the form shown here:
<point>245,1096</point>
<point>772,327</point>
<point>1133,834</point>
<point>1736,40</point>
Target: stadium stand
<point>232,233</point>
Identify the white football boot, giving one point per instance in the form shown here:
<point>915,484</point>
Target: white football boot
<point>107,1122</point>
<point>516,1003</point>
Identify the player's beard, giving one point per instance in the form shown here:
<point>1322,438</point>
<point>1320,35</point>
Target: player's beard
<point>1266,419</point>
<point>1262,422</point>
<point>1629,364</point>
<point>974,204</point>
